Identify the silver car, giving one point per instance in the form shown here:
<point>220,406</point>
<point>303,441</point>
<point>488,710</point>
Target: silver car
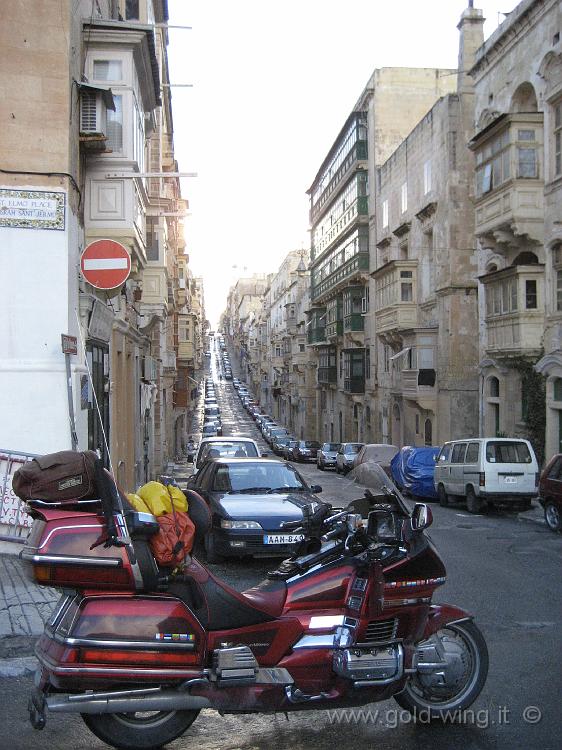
<point>346,456</point>
<point>326,456</point>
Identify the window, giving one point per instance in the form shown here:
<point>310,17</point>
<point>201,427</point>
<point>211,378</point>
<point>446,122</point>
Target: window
<point>501,297</point>
<point>557,389</point>
<point>115,125</point>
<point>558,139</point>
<point>494,387</point>
<point>507,452</point>
<point>526,162</point>
<point>493,164</point>
<point>530,294</point>
<point>384,214</point>
<point>368,362</point>
<point>472,453</point>
<point>108,70</point>
<point>406,289</point>
<point>459,450</point>
<point>152,238</point>
<point>301,347</point>
<point>427,177</point>
<point>404,198</point>
<point>132,10</point>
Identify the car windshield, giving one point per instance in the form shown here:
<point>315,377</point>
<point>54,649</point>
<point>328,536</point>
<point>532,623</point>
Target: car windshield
<point>502,452</point>
<point>332,447</point>
<point>353,447</point>
<point>248,477</point>
<point>310,444</point>
<point>228,449</point>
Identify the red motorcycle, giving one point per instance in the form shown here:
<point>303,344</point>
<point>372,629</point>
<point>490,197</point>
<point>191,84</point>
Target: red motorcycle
<point>346,621</point>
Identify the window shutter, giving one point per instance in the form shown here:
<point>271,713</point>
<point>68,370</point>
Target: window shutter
<point>88,113</point>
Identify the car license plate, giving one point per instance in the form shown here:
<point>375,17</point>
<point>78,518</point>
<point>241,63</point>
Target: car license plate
<point>510,480</point>
<point>282,538</point>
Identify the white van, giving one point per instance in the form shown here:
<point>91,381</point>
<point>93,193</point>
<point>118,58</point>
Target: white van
<point>502,472</point>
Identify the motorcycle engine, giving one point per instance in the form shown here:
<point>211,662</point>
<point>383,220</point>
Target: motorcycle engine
<point>382,663</point>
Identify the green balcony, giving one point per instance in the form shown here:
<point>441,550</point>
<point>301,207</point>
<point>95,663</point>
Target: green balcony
<point>356,265</point>
<point>327,375</point>
<point>354,322</point>
<point>334,329</point>
<point>316,335</point>
<point>354,385</point>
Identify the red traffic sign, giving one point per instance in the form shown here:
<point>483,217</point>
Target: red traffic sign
<point>105,264</point>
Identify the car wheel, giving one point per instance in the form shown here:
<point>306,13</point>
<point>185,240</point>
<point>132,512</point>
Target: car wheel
<point>443,497</point>
<point>552,517</point>
<point>211,550</point>
<point>473,503</point>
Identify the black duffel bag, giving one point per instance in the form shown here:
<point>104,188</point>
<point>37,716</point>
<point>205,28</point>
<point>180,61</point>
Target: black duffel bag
<point>66,475</point>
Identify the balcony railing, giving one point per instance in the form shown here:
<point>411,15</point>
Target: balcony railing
<point>334,329</point>
<point>316,335</point>
<point>327,374</point>
<point>354,385</point>
<point>354,322</point>
<point>356,265</point>
<point>515,334</point>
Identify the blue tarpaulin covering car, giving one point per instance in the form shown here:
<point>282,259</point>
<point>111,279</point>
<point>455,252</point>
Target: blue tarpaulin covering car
<point>412,470</point>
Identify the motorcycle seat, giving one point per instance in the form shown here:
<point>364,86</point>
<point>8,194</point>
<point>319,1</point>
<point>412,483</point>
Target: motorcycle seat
<point>268,596</point>
<point>220,607</point>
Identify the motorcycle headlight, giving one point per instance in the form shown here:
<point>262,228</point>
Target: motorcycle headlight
<point>227,524</point>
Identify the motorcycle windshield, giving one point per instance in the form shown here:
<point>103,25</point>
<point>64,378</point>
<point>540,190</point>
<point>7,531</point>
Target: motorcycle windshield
<point>372,476</point>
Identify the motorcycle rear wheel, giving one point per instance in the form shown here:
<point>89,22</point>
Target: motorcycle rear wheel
<point>462,641</point>
<point>141,730</point>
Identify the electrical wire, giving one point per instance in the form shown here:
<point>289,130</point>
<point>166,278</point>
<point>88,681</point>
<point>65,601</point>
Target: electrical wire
<point>48,174</point>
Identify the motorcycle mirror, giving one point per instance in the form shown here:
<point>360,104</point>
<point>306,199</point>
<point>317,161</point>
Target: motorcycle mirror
<point>315,488</point>
<point>422,517</point>
<point>381,526</point>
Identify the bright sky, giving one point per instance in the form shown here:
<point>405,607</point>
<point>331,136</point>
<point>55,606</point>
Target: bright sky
<point>273,83</point>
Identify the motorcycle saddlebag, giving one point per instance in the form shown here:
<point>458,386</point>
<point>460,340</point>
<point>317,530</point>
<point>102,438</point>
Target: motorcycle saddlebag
<point>58,476</point>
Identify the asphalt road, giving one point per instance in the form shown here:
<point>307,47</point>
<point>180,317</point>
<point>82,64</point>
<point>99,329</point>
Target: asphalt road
<point>503,569</point>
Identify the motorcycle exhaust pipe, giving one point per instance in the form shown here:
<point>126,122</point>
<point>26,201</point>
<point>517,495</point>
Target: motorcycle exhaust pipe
<point>126,701</point>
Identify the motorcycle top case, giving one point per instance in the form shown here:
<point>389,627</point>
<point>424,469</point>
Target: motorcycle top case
<point>66,475</point>
<point>63,550</point>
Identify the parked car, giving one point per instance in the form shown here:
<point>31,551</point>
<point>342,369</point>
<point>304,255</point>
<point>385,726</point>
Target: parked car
<point>501,472</point>
<point>210,429</point>
<point>212,412</point>
<point>550,492</point>
<point>326,455</point>
<point>227,375</point>
<point>346,456</point>
<point>278,442</point>
<point>287,450</point>
<point>305,450</point>
<point>228,447</point>
<point>380,453</point>
<point>249,500</point>
<point>274,433</point>
<point>412,470</point>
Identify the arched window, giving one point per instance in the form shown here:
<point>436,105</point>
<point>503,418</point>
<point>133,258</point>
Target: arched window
<point>494,387</point>
<point>355,411</point>
<point>526,258</point>
<point>524,99</point>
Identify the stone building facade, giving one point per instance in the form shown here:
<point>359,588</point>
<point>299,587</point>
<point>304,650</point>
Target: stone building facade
<point>423,292</point>
<point>98,76</point>
<point>517,145</point>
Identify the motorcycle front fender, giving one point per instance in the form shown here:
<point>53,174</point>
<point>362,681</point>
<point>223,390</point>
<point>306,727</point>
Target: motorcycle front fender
<point>441,615</point>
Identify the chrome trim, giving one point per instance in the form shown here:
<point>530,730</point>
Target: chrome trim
<point>78,697</point>
<point>398,674</point>
<point>118,671</point>
<point>101,643</point>
<point>326,640</point>
<point>103,562</point>
<point>76,526</point>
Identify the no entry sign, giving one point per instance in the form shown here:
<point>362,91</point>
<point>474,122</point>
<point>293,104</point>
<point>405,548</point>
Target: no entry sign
<point>105,264</point>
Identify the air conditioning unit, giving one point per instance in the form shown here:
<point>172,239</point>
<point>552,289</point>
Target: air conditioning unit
<point>364,305</point>
<point>93,112</point>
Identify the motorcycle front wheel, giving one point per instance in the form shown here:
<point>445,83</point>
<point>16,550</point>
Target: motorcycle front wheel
<point>143,730</point>
<point>444,693</point>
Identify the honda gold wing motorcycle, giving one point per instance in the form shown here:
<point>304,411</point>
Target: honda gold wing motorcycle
<point>348,620</point>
